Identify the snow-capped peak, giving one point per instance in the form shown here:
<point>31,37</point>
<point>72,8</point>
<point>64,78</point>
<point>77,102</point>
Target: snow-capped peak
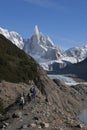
<point>80,53</point>
<point>42,46</point>
<point>36,30</point>
<point>14,37</point>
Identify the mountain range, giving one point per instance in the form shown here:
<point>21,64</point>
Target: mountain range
<point>43,50</point>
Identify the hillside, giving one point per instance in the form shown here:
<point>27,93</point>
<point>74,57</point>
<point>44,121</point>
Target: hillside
<point>56,104</point>
<point>15,65</point>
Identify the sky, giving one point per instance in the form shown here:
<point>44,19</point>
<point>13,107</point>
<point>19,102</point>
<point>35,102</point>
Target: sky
<point>64,21</point>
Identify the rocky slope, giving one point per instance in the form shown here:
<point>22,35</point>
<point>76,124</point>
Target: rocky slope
<point>58,113</point>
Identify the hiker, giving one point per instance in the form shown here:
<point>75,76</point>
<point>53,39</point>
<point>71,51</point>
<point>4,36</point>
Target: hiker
<point>22,102</point>
<point>33,92</point>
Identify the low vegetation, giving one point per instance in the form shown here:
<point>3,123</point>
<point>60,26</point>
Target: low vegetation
<point>15,65</point>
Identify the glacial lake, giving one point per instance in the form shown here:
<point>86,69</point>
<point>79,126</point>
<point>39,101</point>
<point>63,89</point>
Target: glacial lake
<point>83,116</point>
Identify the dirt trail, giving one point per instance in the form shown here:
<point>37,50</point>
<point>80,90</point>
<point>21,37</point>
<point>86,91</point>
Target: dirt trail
<point>37,115</point>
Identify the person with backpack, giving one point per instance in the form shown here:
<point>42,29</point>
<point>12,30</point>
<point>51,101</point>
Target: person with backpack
<point>33,92</point>
<point>22,102</point>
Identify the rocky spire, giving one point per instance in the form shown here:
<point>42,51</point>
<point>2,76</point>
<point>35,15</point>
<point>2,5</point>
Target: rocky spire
<point>36,34</point>
<point>36,30</point>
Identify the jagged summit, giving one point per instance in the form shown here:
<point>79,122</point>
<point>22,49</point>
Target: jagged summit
<point>41,47</point>
<point>36,30</point>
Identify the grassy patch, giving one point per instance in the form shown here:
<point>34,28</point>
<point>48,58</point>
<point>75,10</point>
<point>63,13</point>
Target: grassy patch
<point>15,65</point>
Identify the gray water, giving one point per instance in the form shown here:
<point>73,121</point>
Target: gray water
<point>83,116</point>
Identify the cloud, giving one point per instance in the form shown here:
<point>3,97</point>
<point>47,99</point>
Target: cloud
<point>67,40</point>
<point>45,3</point>
<point>66,43</point>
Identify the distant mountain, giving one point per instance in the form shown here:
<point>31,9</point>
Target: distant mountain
<point>13,36</point>
<point>15,64</point>
<point>41,46</point>
<point>80,53</point>
<point>73,55</point>
<point>78,69</point>
<point>43,50</point>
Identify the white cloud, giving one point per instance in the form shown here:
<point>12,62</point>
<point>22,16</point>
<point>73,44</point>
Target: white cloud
<point>45,3</point>
<point>66,42</point>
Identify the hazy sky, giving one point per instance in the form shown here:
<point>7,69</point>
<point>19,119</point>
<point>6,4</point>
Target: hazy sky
<point>64,21</point>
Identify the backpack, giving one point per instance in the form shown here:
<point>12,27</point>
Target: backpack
<point>34,91</point>
<point>22,100</point>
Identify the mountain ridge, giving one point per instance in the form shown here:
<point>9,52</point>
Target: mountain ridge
<point>43,50</point>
